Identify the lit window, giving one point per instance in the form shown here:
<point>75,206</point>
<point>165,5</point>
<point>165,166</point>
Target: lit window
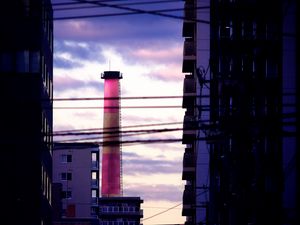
<point>94,156</point>
<point>94,193</point>
<point>94,175</point>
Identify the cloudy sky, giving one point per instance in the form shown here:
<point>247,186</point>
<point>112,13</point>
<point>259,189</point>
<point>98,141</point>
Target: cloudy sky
<point>147,50</point>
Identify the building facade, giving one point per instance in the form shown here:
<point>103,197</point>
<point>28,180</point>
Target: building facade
<point>76,168</point>
<point>120,210</point>
<point>240,94</point>
<point>26,59</point>
<point>195,101</point>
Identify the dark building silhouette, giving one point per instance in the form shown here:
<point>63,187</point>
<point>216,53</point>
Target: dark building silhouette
<point>240,65</point>
<point>26,48</point>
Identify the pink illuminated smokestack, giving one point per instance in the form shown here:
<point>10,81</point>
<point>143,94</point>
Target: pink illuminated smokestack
<point>111,155</point>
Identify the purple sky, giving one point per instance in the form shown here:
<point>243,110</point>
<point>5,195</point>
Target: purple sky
<point>147,49</point>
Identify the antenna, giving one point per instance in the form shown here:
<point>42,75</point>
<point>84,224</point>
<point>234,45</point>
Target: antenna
<point>109,65</point>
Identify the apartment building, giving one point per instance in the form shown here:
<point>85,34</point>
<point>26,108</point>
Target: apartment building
<point>195,101</point>
<point>76,168</point>
<point>240,95</point>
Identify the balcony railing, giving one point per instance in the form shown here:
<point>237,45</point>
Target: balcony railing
<point>189,129</point>
<point>189,56</point>
<point>189,48</point>
<point>188,210</point>
<point>188,201</point>
<point>188,169</point>
<point>189,91</point>
<point>189,11</point>
<point>115,210</point>
<point>188,195</point>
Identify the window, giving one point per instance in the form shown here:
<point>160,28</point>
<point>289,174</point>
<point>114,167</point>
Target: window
<point>22,61</point>
<point>66,176</point>
<point>94,156</point>
<point>6,62</point>
<point>66,194</point>
<point>94,175</point>
<point>94,194</point>
<point>225,29</point>
<point>34,62</point>
<point>94,210</point>
<point>65,158</point>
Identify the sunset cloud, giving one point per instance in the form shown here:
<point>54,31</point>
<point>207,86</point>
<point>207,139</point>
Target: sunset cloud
<point>147,50</point>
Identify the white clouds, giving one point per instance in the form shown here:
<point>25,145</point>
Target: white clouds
<point>148,52</point>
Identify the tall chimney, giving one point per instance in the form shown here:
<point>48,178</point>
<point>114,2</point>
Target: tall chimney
<point>111,154</point>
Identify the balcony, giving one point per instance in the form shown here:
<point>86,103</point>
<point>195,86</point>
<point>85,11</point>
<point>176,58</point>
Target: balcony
<point>189,91</point>
<point>189,129</point>
<point>188,171</point>
<point>189,24</point>
<point>188,201</point>
<point>189,56</point>
<point>120,211</point>
<point>188,223</point>
<point>188,195</point>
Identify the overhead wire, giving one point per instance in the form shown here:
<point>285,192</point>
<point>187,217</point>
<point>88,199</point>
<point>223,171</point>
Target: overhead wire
<point>130,11</point>
<point>164,211</point>
<point>129,97</point>
<point>123,107</point>
<point>111,1</point>
<point>86,7</point>
<point>123,127</point>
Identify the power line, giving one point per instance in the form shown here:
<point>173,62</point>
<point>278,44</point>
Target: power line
<point>123,127</point>
<point>188,95</point>
<point>119,132</point>
<point>157,214</point>
<point>130,97</point>
<point>86,7</point>
<point>103,1</point>
<point>131,11</point>
<point>139,141</point>
<point>117,107</point>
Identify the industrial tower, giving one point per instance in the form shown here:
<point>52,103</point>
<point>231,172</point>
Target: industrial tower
<point>114,208</point>
<point>111,154</point>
